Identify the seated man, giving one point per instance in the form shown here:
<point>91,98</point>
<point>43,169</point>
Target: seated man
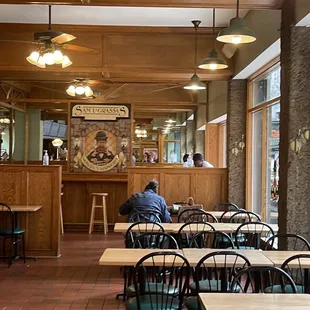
<point>198,162</point>
<point>147,201</point>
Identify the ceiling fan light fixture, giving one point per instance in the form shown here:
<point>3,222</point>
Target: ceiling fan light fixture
<point>41,62</point>
<point>213,62</point>
<point>80,90</point>
<point>195,84</point>
<point>66,62</point>
<point>58,57</point>
<point>71,90</point>
<point>48,57</point>
<point>88,91</point>
<point>33,58</point>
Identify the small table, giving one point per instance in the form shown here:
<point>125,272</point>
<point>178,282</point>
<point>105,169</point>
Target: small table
<point>127,257</point>
<point>256,257</point>
<point>168,227</point>
<point>224,301</point>
<point>279,257</point>
<point>22,208</point>
<point>235,226</point>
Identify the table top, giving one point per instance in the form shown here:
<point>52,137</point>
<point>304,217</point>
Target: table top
<point>256,257</point>
<point>227,301</point>
<point>250,228</point>
<point>126,257</point>
<point>169,227</point>
<point>279,257</point>
<point>24,208</point>
<point>174,227</point>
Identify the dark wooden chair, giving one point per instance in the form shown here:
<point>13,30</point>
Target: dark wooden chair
<point>212,239</point>
<point>294,242</point>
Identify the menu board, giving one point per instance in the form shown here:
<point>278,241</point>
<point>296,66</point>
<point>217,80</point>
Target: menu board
<point>62,131</point>
<point>47,125</point>
<point>54,130</point>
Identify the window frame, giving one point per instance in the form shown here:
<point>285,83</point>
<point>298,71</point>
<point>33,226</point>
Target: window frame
<point>251,109</point>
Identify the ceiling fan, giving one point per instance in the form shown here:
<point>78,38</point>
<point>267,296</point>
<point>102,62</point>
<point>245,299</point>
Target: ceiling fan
<point>49,43</point>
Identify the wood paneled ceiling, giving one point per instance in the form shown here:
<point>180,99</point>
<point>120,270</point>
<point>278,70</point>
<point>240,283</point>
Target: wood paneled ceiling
<point>247,4</point>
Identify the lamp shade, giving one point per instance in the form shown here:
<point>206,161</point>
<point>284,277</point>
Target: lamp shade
<point>236,33</point>
<point>57,142</point>
<point>195,83</point>
<point>213,62</point>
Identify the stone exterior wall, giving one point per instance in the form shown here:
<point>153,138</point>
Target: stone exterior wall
<point>190,137</point>
<point>294,185</point>
<point>200,141</point>
<point>236,127</point>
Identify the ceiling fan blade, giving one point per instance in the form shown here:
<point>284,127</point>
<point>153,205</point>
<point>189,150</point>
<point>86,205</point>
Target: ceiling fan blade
<point>78,48</point>
<point>63,38</point>
<point>21,41</point>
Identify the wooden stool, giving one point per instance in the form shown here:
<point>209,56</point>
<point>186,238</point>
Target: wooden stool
<point>104,220</point>
<point>61,218</point>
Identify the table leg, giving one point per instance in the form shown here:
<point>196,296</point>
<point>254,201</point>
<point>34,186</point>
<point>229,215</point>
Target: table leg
<point>16,243</point>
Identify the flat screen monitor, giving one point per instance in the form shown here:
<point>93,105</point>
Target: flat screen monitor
<point>54,130</point>
<point>62,131</point>
<point>47,125</point>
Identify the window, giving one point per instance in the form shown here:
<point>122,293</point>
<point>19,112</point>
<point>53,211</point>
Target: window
<point>263,139</point>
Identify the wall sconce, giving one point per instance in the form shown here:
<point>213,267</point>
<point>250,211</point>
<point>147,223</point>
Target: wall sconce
<point>238,146</point>
<point>301,138</point>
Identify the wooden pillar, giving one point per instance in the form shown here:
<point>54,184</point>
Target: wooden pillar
<point>161,146</point>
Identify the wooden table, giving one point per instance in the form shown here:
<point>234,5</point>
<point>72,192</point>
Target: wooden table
<point>127,257</point>
<point>174,227</point>
<point>250,228</point>
<point>256,257</point>
<point>169,227</point>
<point>17,209</point>
<point>224,301</point>
<point>24,208</point>
<point>279,257</point>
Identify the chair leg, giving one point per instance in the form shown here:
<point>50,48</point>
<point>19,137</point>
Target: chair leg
<point>105,220</point>
<point>12,249</point>
<point>24,251</point>
<point>61,220</point>
<point>4,250</point>
<point>91,222</point>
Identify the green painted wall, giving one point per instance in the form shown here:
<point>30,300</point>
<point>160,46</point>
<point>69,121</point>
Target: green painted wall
<point>19,136</point>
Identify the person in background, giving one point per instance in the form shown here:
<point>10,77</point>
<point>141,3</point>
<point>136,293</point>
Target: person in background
<point>133,160</point>
<point>185,158</point>
<point>198,162</point>
<point>147,201</point>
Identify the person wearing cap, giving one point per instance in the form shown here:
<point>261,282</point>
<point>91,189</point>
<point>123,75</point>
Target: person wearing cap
<point>147,201</point>
<point>101,153</point>
<point>198,162</point>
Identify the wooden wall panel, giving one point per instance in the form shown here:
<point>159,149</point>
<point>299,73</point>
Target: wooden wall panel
<point>211,144</point>
<point>35,185</point>
<point>206,185</point>
<point>76,201</point>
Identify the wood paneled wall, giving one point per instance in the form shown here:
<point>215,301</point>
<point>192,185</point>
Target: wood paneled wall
<point>206,185</point>
<point>35,185</point>
<point>76,201</point>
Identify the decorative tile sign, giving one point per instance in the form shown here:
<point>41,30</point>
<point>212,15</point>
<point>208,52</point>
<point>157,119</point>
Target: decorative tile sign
<point>100,112</point>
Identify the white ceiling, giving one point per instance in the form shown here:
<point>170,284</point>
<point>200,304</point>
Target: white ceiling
<point>115,16</point>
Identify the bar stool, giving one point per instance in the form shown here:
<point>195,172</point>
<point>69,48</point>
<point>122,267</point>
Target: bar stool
<point>104,220</point>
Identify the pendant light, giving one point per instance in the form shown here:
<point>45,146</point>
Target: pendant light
<point>195,83</point>
<point>237,32</point>
<point>213,61</point>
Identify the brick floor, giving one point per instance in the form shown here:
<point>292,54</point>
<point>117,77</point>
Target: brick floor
<point>73,281</point>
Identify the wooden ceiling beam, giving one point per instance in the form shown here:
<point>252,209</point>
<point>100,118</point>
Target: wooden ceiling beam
<point>227,4</point>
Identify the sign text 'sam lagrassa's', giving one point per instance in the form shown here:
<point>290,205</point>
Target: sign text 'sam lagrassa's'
<point>100,112</point>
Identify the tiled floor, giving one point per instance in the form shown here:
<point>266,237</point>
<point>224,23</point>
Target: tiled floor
<point>74,281</point>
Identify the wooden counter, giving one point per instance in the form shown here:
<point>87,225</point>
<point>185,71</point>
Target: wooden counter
<point>76,200</point>
<point>206,185</point>
<point>38,186</point>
